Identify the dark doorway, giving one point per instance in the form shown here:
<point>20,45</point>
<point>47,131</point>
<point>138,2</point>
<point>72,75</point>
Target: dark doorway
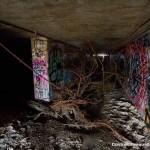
<point>16,80</point>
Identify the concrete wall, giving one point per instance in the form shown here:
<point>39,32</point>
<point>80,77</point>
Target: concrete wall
<point>132,62</point>
<point>52,62</point>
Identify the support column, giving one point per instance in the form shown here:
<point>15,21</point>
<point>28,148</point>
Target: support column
<point>40,67</point>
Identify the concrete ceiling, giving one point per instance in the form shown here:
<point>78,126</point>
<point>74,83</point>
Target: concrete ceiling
<point>105,23</point>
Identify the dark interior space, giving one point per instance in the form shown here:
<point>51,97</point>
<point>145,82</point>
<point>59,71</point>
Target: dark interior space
<point>75,75</point>
<point>16,80</point>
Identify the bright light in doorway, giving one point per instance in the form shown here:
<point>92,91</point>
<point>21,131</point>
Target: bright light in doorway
<point>101,55</point>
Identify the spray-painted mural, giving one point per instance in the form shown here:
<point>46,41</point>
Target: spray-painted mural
<point>40,67</point>
<point>54,62</point>
<point>56,71</point>
<point>62,62</point>
<point>133,63</point>
<point>148,82</point>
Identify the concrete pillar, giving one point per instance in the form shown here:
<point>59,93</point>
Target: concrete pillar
<point>40,67</point>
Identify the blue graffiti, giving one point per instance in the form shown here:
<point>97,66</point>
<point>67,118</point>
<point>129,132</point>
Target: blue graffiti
<point>135,79</point>
<point>56,65</point>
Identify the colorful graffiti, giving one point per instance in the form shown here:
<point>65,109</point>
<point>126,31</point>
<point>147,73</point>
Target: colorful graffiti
<point>40,67</point>
<point>56,69</point>
<point>54,62</point>
<point>133,62</point>
<point>148,82</point>
<point>136,76</point>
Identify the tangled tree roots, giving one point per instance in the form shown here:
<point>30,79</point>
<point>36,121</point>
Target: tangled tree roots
<point>75,119</point>
<point>67,111</point>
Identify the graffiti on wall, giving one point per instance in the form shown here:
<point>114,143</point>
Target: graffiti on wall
<point>148,82</point>
<point>40,67</point>
<point>133,62</point>
<point>63,63</point>
<point>56,63</point>
<point>136,76</point>
<point>56,69</point>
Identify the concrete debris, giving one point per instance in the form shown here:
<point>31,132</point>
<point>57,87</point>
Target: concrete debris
<point>138,137</point>
<point>123,116</point>
<point>67,143</point>
<point>12,139</point>
<point>51,134</point>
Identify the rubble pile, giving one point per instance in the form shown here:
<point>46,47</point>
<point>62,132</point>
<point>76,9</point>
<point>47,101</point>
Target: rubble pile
<point>11,139</point>
<point>28,136</point>
<point>123,116</point>
<point>44,131</point>
<point>65,143</point>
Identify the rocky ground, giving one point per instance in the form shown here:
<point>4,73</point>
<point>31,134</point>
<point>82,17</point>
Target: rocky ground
<point>123,116</point>
<point>52,135</point>
<point>19,131</point>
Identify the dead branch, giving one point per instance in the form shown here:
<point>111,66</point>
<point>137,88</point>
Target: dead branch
<point>100,63</point>
<point>68,103</point>
<point>90,126</point>
<point>103,124</point>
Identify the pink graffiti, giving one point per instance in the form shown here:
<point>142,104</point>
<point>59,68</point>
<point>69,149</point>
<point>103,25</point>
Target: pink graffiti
<point>140,99</point>
<point>41,84</point>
